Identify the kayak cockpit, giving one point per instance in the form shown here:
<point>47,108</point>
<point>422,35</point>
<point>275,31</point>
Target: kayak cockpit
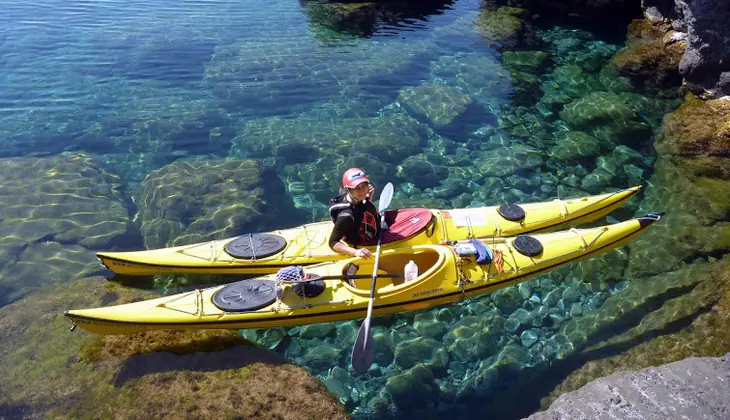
<point>391,269</point>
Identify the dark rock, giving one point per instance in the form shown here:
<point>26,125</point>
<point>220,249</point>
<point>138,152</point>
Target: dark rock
<point>695,388</point>
<point>706,65</point>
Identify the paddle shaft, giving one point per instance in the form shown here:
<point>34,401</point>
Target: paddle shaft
<point>362,352</point>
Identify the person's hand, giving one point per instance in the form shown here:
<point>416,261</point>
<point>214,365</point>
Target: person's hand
<point>363,253</point>
<point>371,192</point>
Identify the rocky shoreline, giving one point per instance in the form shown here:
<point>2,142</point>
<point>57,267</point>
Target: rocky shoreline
<point>694,388</point>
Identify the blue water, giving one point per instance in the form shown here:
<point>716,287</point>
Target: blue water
<point>128,88</point>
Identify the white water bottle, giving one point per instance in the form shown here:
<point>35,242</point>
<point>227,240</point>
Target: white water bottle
<point>410,272</point>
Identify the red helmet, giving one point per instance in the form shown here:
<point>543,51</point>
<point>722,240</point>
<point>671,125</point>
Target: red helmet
<point>354,177</point>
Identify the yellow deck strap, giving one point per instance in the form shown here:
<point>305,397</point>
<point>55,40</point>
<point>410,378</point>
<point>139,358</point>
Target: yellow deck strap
<point>582,239</point>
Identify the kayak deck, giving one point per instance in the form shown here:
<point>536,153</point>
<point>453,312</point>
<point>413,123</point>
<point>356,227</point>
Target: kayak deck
<point>308,244</point>
<point>447,276</point>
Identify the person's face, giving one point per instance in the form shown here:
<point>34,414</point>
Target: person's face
<point>360,192</point>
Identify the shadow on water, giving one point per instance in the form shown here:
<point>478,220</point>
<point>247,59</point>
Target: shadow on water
<point>176,62</point>
<point>523,398</point>
<point>170,359</point>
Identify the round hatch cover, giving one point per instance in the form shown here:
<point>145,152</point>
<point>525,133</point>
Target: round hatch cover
<point>255,245</point>
<point>527,245</point>
<point>511,212</point>
<point>245,295</point>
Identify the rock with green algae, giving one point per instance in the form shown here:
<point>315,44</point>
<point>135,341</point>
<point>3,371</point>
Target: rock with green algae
<point>409,353</point>
<point>534,62</point>
<point>54,373</point>
<point>697,138</point>
<point>414,388</point>
<point>508,160</point>
<point>574,81</point>
<point>606,116</point>
<point>504,25</point>
<point>306,139</point>
<point>693,227</point>
<point>56,210</point>
<point>524,68</point>
<point>691,325</point>
<point>191,201</point>
<point>421,172</point>
<point>69,197</point>
<point>574,146</point>
<point>637,304</point>
<point>359,17</point>
<point>481,76</point>
<point>652,53</point>
<point>440,105</point>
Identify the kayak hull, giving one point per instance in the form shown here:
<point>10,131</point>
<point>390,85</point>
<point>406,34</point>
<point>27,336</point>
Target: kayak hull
<point>308,244</point>
<point>446,277</point>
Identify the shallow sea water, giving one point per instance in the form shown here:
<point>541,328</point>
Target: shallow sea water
<point>426,101</point>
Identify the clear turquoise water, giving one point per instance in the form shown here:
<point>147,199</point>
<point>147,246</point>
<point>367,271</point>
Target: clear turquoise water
<point>140,85</point>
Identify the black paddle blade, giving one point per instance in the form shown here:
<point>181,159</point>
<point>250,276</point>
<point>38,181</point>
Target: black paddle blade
<point>362,351</point>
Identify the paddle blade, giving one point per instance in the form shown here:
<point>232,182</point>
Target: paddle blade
<point>363,353</point>
<point>385,197</point>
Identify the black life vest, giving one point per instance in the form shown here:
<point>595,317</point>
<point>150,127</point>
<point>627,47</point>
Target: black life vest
<point>364,215</point>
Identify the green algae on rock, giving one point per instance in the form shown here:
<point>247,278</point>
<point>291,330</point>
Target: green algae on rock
<point>693,324</point>
<point>652,53</point>
<point>502,25</point>
<point>56,210</point>
<point>56,373</point>
<point>196,200</point>
<point>606,116</point>
<point>439,104</point>
<point>697,137</point>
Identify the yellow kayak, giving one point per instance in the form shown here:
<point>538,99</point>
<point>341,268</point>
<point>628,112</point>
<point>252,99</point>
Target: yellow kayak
<point>264,253</point>
<point>299,295</point>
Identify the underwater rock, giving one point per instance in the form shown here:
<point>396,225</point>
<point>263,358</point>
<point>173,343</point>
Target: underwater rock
<point>322,357</point>
<point>421,172</point>
<point>440,105</point>
<point>507,299</point>
<point>192,201</point>
<point>525,67</point>
<point>414,388</point>
<point>428,326</point>
<point>318,330</point>
<point>358,18</point>
<point>697,138</point>
<point>574,146</point>
<point>692,388</point>
<point>652,53</point>
<point>607,117</point>
<point>528,338</point>
<point>573,81</point>
<point>534,62</point>
<point>44,264</point>
<point>421,350</point>
<point>503,26</point>
<point>53,371</point>
<point>68,197</point>
<point>472,343</point>
<point>505,161</point>
<point>613,81</point>
<point>481,76</point>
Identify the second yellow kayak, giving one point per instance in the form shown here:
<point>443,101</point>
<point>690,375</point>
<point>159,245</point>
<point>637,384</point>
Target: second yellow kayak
<point>308,244</point>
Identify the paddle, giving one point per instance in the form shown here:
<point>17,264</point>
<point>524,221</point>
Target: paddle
<point>362,352</point>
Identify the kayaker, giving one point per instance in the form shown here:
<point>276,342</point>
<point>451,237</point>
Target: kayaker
<point>354,215</point>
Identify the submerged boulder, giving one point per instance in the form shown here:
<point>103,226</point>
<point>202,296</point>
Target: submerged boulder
<point>196,200</point>
<point>697,137</point>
